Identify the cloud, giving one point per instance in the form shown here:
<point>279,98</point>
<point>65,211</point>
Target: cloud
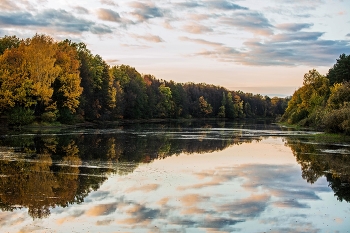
<point>253,22</point>
<point>108,15</point>
<point>81,10</point>
<point>200,17</point>
<point>295,195</point>
<point>148,37</point>
<point>53,19</point>
<point>144,11</point>
<point>191,4</point>
<point>144,188</point>
<point>220,52</point>
<point>291,204</point>
<point>200,41</point>
<point>285,49</point>
<point>196,28</point>
<point>139,215</point>
<point>293,53</point>
<point>193,199</point>
<point>225,5</point>
<point>193,210</point>
<point>347,35</point>
<point>103,209</point>
<point>219,178</point>
<point>217,4</point>
<point>219,223</point>
<point>72,217</point>
<point>294,27</point>
<point>250,207</point>
<point>8,5</point>
<point>31,228</point>
<point>108,2</point>
<point>300,36</point>
<point>104,222</point>
<point>212,223</point>
<point>163,201</point>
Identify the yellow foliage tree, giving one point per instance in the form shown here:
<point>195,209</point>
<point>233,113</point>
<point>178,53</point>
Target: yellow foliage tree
<point>67,85</point>
<point>39,60</point>
<point>27,73</point>
<point>15,82</point>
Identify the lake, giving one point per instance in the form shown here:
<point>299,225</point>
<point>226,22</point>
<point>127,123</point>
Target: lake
<point>195,176</point>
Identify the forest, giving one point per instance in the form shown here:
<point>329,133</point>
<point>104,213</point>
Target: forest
<point>323,102</point>
<point>43,80</point>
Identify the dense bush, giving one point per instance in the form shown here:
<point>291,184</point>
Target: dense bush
<point>49,117</point>
<point>338,120</point>
<point>19,116</point>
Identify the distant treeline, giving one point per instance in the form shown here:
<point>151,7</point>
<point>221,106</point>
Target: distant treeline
<point>45,80</point>
<point>323,102</point>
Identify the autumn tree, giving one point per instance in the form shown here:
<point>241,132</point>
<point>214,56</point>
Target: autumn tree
<point>336,117</point>
<point>308,101</point>
<point>27,73</point>
<point>39,61</point>
<point>67,89</point>
<point>204,107</point>
<point>238,107</point>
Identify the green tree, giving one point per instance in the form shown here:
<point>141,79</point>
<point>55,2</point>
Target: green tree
<point>222,109</point>
<point>165,104</point>
<point>340,71</point>
<point>248,109</point>
<point>98,96</point>
<point>8,42</point>
<point>230,108</point>
<point>134,91</point>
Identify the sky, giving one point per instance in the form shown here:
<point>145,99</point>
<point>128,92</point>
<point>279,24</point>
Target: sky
<point>262,47</point>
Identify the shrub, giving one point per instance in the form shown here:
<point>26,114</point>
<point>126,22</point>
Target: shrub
<point>49,117</point>
<point>19,116</point>
<point>338,120</point>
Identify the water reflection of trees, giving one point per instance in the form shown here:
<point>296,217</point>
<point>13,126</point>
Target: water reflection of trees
<point>315,163</point>
<point>40,172</point>
<point>34,181</point>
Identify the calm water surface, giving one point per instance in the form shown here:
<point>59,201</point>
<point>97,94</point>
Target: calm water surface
<point>192,177</point>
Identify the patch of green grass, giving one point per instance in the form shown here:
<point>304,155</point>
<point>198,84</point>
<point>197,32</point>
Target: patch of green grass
<point>296,127</point>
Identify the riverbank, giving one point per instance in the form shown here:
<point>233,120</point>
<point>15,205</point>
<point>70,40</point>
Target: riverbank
<point>324,137</point>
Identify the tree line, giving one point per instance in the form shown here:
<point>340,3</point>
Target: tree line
<point>323,101</point>
<point>46,80</point>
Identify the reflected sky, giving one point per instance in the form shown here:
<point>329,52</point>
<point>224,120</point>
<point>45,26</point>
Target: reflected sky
<point>252,187</point>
